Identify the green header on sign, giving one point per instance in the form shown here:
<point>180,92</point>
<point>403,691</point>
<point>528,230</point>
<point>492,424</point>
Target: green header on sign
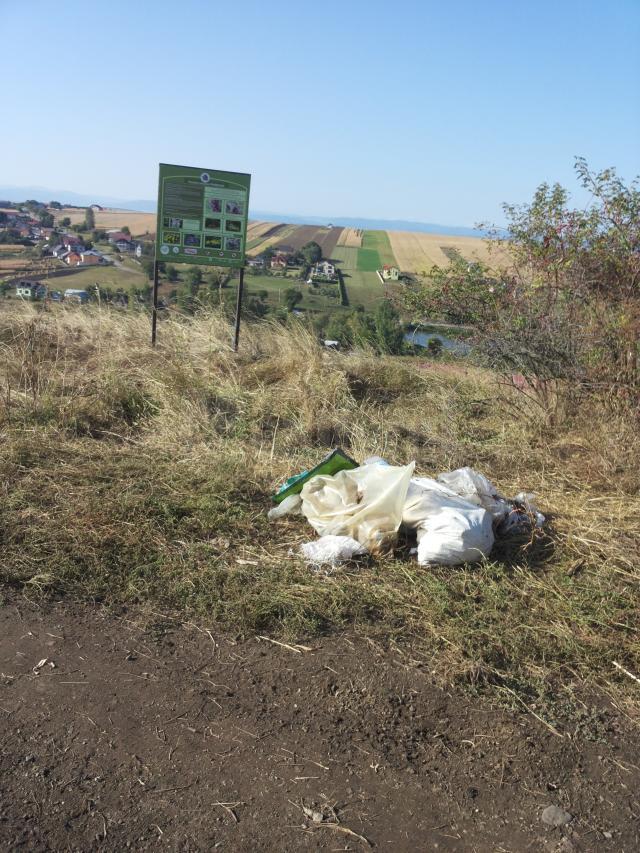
<point>202,216</point>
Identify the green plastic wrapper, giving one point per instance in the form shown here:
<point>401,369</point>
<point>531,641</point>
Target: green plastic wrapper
<point>336,461</point>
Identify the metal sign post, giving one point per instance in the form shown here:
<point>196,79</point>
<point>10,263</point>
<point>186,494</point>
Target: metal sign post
<point>202,219</point>
<point>154,313</point>
<point>236,334</point>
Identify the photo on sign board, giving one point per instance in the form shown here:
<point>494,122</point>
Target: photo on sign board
<point>172,222</point>
<point>212,224</point>
<point>232,244</point>
<point>214,205</point>
<point>171,237</point>
<point>192,240</point>
<point>212,242</point>
<point>234,225</point>
<point>236,208</point>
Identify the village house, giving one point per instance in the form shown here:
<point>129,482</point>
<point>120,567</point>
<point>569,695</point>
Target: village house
<point>323,269</point>
<point>390,273</point>
<point>83,258</point>
<point>30,290</point>
<point>120,241</point>
<point>278,262</point>
<point>72,241</point>
<point>256,263</point>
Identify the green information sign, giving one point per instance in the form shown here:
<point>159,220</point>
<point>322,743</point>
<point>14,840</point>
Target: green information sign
<point>202,216</point>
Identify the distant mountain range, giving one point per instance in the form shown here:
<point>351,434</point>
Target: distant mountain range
<point>13,193</point>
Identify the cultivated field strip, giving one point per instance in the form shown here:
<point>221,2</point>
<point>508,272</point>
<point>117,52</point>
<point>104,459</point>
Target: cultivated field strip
<point>258,232</point>
<point>417,252</point>
<point>351,238</point>
<point>140,224</point>
<point>275,238</point>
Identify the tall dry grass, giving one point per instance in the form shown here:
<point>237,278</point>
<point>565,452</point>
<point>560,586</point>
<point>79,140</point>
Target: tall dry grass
<point>139,474</point>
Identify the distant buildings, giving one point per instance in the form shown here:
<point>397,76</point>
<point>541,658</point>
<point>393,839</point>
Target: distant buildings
<point>324,270</point>
<point>390,273</point>
<point>30,290</point>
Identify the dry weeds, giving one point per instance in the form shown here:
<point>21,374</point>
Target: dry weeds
<point>144,475</point>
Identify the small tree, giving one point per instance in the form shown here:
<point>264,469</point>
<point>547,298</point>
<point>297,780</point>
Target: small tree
<point>292,297</point>
<point>311,252</point>
<point>125,230</point>
<point>65,222</point>
<point>89,219</point>
<point>172,273</point>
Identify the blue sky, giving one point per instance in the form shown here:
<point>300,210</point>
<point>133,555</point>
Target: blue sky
<point>425,110</point>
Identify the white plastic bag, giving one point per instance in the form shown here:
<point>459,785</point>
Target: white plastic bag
<point>365,503</point>
<point>509,514</point>
<point>331,550</point>
<point>289,506</point>
<point>475,488</point>
<point>450,530</point>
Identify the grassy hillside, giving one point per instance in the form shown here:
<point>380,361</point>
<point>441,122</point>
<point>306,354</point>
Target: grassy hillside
<point>132,474</point>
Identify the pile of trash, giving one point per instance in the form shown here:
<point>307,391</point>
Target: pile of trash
<point>360,509</point>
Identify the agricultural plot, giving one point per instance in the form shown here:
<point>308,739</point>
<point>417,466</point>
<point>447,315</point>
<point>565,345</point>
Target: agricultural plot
<point>258,232</point>
<point>277,238</point>
<point>418,252</point>
<point>351,238</point>
<point>139,223</point>
<point>378,241</point>
<point>363,286</point>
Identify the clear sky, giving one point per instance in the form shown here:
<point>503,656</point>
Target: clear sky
<point>400,109</point>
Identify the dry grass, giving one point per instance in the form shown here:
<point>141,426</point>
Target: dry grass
<point>139,223</point>
<point>132,474</point>
<point>418,252</point>
<point>350,237</point>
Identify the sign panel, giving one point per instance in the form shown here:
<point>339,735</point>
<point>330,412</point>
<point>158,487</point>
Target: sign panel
<point>202,216</point>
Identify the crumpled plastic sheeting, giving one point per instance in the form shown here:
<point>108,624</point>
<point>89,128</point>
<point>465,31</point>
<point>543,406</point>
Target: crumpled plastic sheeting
<point>331,550</point>
<point>455,517</point>
<point>365,503</point>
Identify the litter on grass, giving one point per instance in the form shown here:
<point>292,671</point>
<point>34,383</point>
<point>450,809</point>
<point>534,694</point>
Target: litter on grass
<point>359,510</point>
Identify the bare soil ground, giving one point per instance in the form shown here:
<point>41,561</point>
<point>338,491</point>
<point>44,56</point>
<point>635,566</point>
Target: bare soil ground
<point>123,731</point>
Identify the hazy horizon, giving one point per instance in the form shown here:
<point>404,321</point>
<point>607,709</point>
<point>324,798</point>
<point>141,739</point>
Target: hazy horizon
<point>416,113</point>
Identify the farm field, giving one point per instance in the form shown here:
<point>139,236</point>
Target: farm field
<point>139,223</point>
<point>363,286</point>
<point>379,241</point>
<point>257,232</point>
<point>417,252</point>
<point>272,239</point>
<point>293,237</point>
<point>112,277</point>
<point>350,237</point>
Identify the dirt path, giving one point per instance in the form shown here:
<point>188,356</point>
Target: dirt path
<point>169,737</point>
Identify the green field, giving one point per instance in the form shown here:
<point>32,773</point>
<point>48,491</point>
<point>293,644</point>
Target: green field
<point>276,286</point>
<point>111,276</point>
<point>378,242</point>
<point>363,286</point>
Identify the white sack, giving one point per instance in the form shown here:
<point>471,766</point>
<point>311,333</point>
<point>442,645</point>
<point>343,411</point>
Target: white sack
<point>331,550</point>
<point>450,530</point>
<point>365,503</point>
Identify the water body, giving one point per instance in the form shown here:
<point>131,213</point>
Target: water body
<point>421,338</point>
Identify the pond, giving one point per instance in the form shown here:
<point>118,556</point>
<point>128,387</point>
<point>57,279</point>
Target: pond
<point>421,337</point>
